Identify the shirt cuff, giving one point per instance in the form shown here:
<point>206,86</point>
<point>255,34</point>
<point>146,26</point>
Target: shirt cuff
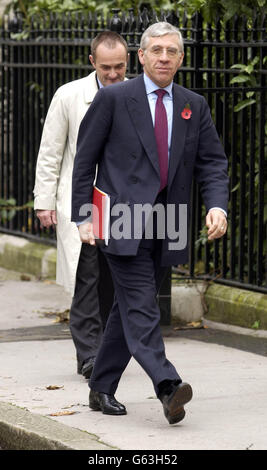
<point>83,221</point>
<point>220,209</point>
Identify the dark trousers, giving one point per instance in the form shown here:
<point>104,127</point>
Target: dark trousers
<point>91,303</point>
<point>133,327</point>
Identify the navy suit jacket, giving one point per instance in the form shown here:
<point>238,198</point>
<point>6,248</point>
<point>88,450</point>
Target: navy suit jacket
<point>117,134</point>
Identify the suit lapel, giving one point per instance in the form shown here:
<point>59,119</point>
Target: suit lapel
<point>139,111</point>
<point>179,130</point>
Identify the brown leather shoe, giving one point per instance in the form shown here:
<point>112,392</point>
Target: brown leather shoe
<point>173,403</point>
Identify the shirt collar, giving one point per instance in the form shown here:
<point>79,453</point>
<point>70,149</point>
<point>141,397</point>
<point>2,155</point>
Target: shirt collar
<point>151,86</point>
<point>99,83</point>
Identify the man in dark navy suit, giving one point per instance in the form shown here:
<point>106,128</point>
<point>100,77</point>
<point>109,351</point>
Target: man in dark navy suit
<point>149,137</point>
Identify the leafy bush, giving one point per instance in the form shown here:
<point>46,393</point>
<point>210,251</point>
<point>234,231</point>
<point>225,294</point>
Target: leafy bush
<point>210,9</point>
<point>8,208</point>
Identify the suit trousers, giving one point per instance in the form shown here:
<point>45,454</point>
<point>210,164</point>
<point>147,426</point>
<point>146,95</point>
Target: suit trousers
<point>91,303</point>
<point>133,327</point>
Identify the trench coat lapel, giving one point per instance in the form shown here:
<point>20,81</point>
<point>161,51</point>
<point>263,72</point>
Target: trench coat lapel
<point>90,88</point>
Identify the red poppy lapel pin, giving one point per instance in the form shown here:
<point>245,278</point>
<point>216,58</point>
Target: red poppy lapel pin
<point>186,113</point>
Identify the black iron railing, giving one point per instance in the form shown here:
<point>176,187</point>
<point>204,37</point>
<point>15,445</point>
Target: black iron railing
<point>54,50</point>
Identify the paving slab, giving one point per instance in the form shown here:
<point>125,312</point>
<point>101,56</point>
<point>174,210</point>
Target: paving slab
<point>29,303</point>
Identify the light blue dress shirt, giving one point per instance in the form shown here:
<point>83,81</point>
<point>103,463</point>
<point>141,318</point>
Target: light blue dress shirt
<point>99,83</point>
<point>151,87</point>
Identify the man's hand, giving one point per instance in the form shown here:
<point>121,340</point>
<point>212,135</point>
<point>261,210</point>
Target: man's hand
<point>216,223</point>
<point>86,233</point>
<point>47,218</point>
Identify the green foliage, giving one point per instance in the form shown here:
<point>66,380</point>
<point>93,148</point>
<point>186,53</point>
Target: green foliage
<point>203,237</point>
<point>256,325</point>
<point>251,109</point>
<point>30,7</point>
<point>228,8</point>
<point>8,208</point>
<point>20,36</point>
<point>210,9</point>
<point>248,109</point>
<point>247,75</point>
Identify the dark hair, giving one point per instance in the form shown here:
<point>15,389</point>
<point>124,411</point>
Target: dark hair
<point>110,39</point>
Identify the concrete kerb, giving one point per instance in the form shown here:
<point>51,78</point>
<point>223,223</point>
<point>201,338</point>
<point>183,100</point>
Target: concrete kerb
<point>28,257</point>
<point>237,307</point>
<point>23,430</point>
<point>187,301</point>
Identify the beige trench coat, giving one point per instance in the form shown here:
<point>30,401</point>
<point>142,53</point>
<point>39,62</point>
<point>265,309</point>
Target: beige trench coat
<point>53,181</point>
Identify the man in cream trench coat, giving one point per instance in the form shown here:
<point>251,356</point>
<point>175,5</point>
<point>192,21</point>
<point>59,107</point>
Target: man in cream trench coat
<point>83,273</point>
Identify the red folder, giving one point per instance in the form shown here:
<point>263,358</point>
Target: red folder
<point>101,214</point>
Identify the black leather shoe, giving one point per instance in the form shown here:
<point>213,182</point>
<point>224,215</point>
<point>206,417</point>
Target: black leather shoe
<point>106,403</point>
<point>79,366</point>
<point>87,367</point>
<point>173,402</point>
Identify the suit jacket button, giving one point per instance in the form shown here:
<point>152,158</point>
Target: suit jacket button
<point>134,179</point>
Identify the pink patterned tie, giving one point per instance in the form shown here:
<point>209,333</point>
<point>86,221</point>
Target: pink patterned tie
<point>161,134</point>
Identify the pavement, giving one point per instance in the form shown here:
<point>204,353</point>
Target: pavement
<point>44,402</point>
